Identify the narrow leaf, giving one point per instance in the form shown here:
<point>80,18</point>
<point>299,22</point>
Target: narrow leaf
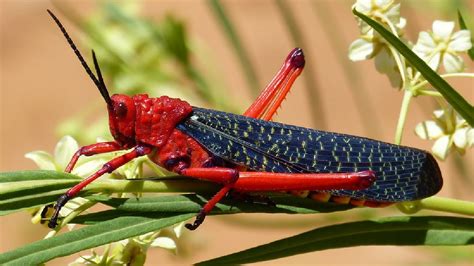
<point>89,237</point>
<point>19,176</point>
<point>462,25</point>
<point>400,231</point>
<point>190,203</point>
<point>25,189</point>
<point>465,109</point>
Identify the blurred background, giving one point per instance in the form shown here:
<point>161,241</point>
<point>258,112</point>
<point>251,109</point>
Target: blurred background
<point>185,49</point>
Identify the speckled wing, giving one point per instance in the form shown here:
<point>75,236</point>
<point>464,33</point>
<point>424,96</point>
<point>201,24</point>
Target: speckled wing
<point>402,173</point>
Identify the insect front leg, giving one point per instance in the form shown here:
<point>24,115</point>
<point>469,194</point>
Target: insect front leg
<point>93,149</point>
<point>108,167</point>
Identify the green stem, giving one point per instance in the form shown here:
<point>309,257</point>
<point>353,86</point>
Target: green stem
<point>403,114</point>
<point>153,185</point>
<point>429,93</point>
<point>451,75</point>
<point>399,60</point>
<point>438,204</point>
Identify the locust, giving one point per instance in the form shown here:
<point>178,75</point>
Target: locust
<point>249,153</point>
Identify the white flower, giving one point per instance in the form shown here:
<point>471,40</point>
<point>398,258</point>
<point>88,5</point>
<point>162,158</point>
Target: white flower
<point>385,11</point>
<point>65,149</point>
<point>385,63</point>
<point>449,131</point>
<point>443,45</point>
<point>133,251</point>
<point>370,44</point>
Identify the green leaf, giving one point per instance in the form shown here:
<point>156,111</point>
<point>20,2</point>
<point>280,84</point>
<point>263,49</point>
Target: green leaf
<point>25,189</point>
<point>191,203</point>
<point>89,237</point>
<point>33,175</point>
<point>465,109</point>
<point>463,26</point>
<point>136,216</point>
<point>400,231</point>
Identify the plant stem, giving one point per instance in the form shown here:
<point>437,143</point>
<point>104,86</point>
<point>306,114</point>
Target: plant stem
<point>438,204</point>
<point>448,205</point>
<point>403,114</point>
<point>399,60</point>
<point>429,93</point>
<point>450,75</point>
<point>157,185</point>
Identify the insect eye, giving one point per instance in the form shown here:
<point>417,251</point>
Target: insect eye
<point>121,110</point>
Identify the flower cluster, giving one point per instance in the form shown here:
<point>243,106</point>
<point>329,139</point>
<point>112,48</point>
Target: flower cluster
<point>449,131</point>
<point>370,44</point>
<point>133,251</point>
<point>442,46</point>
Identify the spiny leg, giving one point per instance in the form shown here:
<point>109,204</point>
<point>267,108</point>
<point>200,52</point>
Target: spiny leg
<point>267,182</point>
<point>106,168</point>
<point>271,98</point>
<point>226,176</point>
<point>268,102</point>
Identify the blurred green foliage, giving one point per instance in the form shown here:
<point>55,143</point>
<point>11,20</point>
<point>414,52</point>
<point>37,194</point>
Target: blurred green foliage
<point>138,55</point>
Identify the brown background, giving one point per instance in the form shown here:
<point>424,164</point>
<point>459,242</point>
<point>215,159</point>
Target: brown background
<point>42,84</point>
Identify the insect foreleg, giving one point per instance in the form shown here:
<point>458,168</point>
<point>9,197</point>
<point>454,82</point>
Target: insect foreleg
<point>106,168</point>
<point>93,149</point>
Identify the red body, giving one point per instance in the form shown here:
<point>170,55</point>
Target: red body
<point>152,121</point>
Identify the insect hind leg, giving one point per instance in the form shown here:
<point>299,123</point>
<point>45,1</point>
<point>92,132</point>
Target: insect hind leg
<point>271,98</point>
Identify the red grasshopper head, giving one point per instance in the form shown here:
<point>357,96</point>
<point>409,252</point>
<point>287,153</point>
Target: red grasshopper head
<point>143,119</point>
<point>138,118</point>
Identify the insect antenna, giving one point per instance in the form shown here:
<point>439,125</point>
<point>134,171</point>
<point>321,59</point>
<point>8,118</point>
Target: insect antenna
<point>103,89</point>
<point>99,83</point>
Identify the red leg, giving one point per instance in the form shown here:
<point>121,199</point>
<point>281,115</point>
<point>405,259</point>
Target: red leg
<point>226,176</point>
<point>106,168</point>
<point>264,181</point>
<point>270,99</point>
<point>93,149</point>
<point>216,174</point>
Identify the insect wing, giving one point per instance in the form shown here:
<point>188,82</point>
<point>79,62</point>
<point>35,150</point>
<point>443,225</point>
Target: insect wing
<point>403,173</point>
